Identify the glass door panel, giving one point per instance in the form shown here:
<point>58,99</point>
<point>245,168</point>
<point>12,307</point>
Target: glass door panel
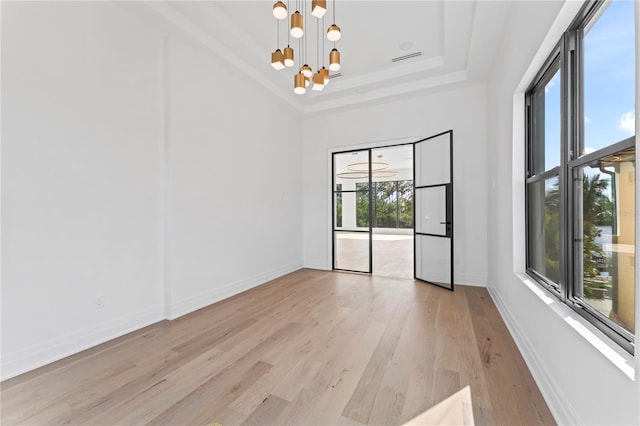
<point>352,237</point>
<point>351,251</point>
<point>433,260</point>
<point>431,202</point>
<point>433,191</point>
<point>434,158</point>
<point>350,168</point>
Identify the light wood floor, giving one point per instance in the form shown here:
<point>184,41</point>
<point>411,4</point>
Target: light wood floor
<point>392,254</point>
<point>309,348</point>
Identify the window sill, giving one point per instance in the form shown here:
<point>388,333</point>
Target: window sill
<point>620,358</point>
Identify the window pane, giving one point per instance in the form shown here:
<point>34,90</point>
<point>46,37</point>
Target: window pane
<point>386,206</point>
<point>351,251</point>
<point>349,168</point>
<point>351,207</point>
<point>362,209</point>
<point>544,228</point>
<point>606,207</point>
<point>405,204</point>
<point>545,144</point>
<point>338,209</point>
<point>609,77</point>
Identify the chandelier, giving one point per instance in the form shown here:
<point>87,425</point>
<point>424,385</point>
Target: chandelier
<point>299,30</point>
<point>360,170</point>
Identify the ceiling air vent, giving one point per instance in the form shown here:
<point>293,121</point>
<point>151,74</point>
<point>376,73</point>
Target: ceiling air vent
<point>335,75</point>
<point>405,57</point>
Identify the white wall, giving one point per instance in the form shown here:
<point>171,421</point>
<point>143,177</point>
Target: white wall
<point>235,189</point>
<point>81,162</point>
<point>585,378</point>
<point>407,119</point>
<point>137,166</point>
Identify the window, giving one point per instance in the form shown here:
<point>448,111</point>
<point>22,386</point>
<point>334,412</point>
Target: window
<point>580,182</point>
<point>392,204</point>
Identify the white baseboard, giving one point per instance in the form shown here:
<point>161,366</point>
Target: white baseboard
<point>319,264</point>
<point>35,356</point>
<point>559,406</point>
<point>14,364</point>
<point>471,280</point>
<point>207,298</point>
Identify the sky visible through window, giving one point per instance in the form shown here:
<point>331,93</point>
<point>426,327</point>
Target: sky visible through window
<point>609,84</point>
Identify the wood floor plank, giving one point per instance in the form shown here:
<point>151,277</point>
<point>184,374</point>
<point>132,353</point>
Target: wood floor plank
<point>390,399</point>
<point>142,407</point>
<point>494,345</point>
<point>267,411</point>
<point>311,347</point>
<point>361,403</point>
<point>343,374</point>
<point>300,374</point>
<point>200,405</point>
<point>471,371</point>
<point>418,396</point>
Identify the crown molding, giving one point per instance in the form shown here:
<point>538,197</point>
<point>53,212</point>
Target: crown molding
<point>400,89</point>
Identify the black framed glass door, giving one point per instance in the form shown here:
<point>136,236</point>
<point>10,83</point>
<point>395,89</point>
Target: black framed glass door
<point>351,224</point>
<point>433,215</point>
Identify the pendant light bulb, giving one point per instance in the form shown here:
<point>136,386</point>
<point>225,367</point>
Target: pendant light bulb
<point>333,33</point>
<point>288,56</point>
<point>318,8</point>
<point>277,60</point>
<point>318,81</point>
<point>325,75</point>
<point>296,25</point>
<point>298,84</point>
<point>334,60</point>
<point>279,10</point>
<point>306,70</point>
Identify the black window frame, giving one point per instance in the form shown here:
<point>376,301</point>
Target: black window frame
<point>555,59</point>
<point>568,53</point>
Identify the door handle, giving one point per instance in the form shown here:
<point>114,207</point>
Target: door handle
<point>445,223</point>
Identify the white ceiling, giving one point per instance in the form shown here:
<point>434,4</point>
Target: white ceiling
<point>458,40</point>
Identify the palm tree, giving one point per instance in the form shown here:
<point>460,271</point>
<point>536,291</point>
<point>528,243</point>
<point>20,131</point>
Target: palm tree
<point>596,211</point>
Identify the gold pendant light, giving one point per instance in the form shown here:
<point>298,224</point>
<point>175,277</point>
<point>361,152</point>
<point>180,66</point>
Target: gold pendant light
<point>298,84</point>
<point>288,56</point>
<point>279,10</point>
<point>325,75</point>
<point>318,81</point>
<point>285,58</point>
<point>306,70</point>
<point>296,25</point>
<point>277,59</point>
<point>334,60</point>
<point>318,8</point>
<point>333,33</point>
